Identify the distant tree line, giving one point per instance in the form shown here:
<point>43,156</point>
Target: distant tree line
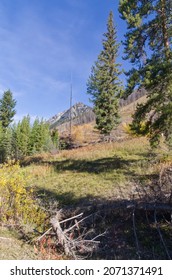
<point>24,138</point>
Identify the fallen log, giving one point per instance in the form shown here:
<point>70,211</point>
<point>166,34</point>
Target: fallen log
<point>127,204</point>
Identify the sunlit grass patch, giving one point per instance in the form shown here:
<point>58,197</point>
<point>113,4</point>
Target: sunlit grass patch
<point>99,171</point>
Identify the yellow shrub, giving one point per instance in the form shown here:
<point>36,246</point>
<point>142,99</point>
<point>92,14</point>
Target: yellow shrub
<point>78,134</point>
<point>128,130</point>
<point>17,205</point>
<point>84,133</point>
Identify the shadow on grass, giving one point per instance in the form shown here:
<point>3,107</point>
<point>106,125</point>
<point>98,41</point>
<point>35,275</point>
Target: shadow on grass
<point>107,164</point>
<point>94,166</point>
<point>66,198</point>
<point>122,166</point>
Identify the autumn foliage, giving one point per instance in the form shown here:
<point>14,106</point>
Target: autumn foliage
<point>17,204</point>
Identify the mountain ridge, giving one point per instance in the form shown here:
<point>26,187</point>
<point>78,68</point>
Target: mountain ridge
<point>79,114</point>
<point>82,114</point>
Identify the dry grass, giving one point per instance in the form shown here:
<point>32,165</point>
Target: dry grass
<point>129,146</point>
<point>129,109</point>
<point>12,248</point>
<point>85,133</point>
<point>40,171</point>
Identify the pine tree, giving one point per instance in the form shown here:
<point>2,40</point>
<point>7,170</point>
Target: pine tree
<point>40,138</point>
<point>103,84</point>
<point>35,137</point>
<point>2,150</point>
<point>148,46</point>
<point>7,111</point>
<point>5,143</point>
<point>21,138</point>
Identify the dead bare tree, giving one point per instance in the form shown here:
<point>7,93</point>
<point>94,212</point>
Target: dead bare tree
<point>72,239</point>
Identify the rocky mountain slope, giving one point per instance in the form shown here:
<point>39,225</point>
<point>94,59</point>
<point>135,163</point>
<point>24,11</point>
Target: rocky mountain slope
<point>83,114</point>
<point>79,113</point>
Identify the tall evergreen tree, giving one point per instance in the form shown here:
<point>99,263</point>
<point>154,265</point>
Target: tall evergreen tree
<point>7,111</point>
<point>2,148</point>
<point>5,143</point>
<point>148,46</point>
<point>103,84</point>
<point>40,137</point>
<point>21,138</point>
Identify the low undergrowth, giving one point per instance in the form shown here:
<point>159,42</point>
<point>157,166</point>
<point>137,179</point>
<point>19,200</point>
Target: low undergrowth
<point>84,179</point>
<point>18,206</point>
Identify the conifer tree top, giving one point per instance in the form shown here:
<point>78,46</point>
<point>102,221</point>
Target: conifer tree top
<point>7,108</point>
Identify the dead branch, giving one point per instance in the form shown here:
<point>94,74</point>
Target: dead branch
<point>135,234</point>
<point>161,237</point>
<point>76,224</point>
<point>99,235</point>
<point>73,240</point>
<point>66,220</point>
<point>127,204</point>
<point>62,239</point>
<point>72,218</point>
<point>44,234</point>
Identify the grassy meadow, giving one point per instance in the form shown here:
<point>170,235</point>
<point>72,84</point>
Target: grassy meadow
<point>102,171</point>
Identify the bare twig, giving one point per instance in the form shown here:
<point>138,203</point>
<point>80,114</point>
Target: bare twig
<point>135,234</point>
<point>72,218</point>
<point>44,234</point>
<point>161,237</point>
<point>102,234</point>
<point>76,224</point>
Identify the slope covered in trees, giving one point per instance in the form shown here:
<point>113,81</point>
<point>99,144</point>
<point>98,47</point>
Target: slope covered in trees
<point>148,46</point>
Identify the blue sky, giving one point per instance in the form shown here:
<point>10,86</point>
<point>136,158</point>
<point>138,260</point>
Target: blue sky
<point>43,42</point>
